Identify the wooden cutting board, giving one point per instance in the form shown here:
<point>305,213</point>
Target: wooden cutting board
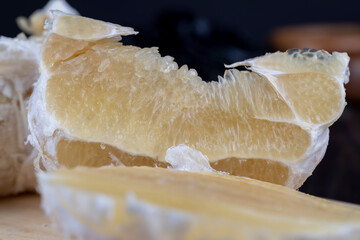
<point>22,218</point>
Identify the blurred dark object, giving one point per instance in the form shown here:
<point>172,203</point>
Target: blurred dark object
<point>197,42</point>
<point>341,37</point>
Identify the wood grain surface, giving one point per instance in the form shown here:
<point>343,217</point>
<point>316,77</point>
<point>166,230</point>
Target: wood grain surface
<point>22,218</point>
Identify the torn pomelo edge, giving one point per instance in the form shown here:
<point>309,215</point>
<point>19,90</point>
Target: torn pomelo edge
<point>154,203</point>
<point>270,124</point>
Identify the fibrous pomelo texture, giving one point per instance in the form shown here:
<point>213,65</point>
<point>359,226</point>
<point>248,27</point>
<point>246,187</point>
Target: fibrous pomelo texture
<point>155,203</point>
<point>19,58</point>
<point>19,69</point>
<point>99,102</point>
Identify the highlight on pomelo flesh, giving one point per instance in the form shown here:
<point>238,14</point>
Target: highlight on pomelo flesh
<point>160,204</point>
<point>99,102</point>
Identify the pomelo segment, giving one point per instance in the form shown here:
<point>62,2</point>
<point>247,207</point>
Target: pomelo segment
<point>131,105</point>
<point>155,203</point>
<point>313,69</point>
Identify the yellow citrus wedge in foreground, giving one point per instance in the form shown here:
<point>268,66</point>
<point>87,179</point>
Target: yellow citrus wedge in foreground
<point>98,102</point>
<point>156,203</point>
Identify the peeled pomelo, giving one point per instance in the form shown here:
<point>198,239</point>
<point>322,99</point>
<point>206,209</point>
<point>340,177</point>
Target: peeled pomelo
<point>155,203</point>
<point>99,102</point>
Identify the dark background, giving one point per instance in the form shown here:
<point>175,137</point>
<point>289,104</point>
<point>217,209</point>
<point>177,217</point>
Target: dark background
<point>207,34</point>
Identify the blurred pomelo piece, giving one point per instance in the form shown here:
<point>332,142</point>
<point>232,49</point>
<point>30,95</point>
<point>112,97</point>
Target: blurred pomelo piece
<point>19,58</point>
<point>34,25</point>
<point>19,69</point>
<point>99,102</point>
<point>155,203</point>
